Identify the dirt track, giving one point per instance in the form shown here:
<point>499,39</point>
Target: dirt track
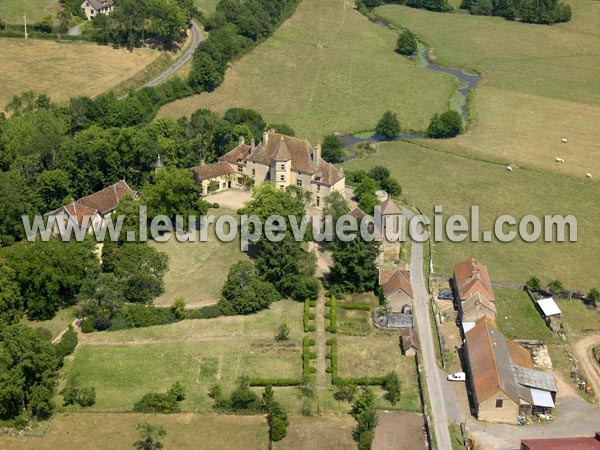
<point>583,350</point>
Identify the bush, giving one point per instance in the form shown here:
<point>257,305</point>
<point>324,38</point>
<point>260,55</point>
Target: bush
<point>73,393</point>
<point>138,316</point>
<point>211,312</point>
<point>534,284</point>
<point>275,382</point>
<point>407,43</point>
<point>283,333</point>
<point>102,323</point>
<point>388,126</point>
<point>178,308</point>
<point>67,344</point>
<point>391,384</point>
<point>354,307</point>
<point>278,422</point>
<point>446,125</point>
<point>44,333</point>
<point>365,440</point>
<point>177,391</point>
<point>345,390</point>
<point>155,402</point>
<point>216,205</point>
<point>87,326</point>
<point>87,396</point>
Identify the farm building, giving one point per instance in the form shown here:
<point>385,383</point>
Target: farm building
<point>409,342</point>
<point>91,211</point>
<point>571,443</point>
<point>279,159</point>
<point>396,288</point>
<point>476,307</point>
<point>502,377</point>
<point>471,277</point>
<point>91,8</point>
<point>551,312</point>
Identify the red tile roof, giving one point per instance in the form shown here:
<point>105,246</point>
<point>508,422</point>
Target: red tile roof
<point>393,280</point>
<point>471,277</point>
<point>573,443</point>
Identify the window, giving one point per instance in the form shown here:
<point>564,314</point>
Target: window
<point>240,169</point>
<point>318,188</point>
<point>499,403</point>
<point>282,177</point>
<point>253,172</point>
<point>299,183</point>
<point>283,167</point>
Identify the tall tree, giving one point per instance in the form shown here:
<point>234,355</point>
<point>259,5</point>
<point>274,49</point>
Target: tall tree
<point>11,302</point>
<point>388,126</point>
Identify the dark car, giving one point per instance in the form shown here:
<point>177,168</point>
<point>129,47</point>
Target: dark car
<point>446,296</point>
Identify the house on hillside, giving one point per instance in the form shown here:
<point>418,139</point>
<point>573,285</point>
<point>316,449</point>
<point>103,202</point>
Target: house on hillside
<point>570,443</point>
<point>397,290</point>
<point>91,8</point>
<point>503,380</point>
<point>90,211</point>
<point>279,159</point>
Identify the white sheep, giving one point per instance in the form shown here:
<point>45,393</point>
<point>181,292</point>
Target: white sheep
<point>509,168</point>
<point>559,160</point>
<point>588,175</point>
<point>564,140</point>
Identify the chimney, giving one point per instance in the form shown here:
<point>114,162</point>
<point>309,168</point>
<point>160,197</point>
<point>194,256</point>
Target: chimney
<point>316,154</point>
<point>241,140</point>
<point>265,139</point>
<point>252,145</point>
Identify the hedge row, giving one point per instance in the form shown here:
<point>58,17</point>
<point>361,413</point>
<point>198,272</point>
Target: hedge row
<point>307,355</point>
<point>308,328</point>
<point>332,315</point>
<point>354,307</point>
<point>276,382</point>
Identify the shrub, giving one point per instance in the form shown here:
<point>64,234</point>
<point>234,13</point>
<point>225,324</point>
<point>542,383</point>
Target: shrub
<point>155,402</point>
<point>278,422</point>
<point>178,308</point>
<point>365,440</point>
<point>283,333</point>
<point>87,396</point>
<point>391,384</point>
<point>446,125</point>
<point>354,307</point>
<point>407,43</point>
<point>534,284</point>
<point>44,333</point>
<point>102,323</point>
<point>177,391</point>
<point>556,287</point>
<point>211,312</point>
<point>594,296</point>
<point>87,326</point>
<point>138,316</point>
<point>216,205</point>
<point>388,126</point>
<point>345,390</point>
<point>244,400</point>
<point>67,344</point>
<point>275,382</point>
<point>73,393</point>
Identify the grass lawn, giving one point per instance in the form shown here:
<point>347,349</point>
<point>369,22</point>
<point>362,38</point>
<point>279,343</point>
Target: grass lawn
<point>207,7</point>
<point>517,318</point>
<point>123,365</point>
<point>455,437</point>
<point>578,319</point>
<point>198,270</point>
<point>318,433</point>
<point>376,356</point>
<point>432,177</point>
<point>11,11</point>
<point>327,69</point>
<point>541,83</point>
<point>61,321</point>
<point>64,70</point>
<point>117,431</point>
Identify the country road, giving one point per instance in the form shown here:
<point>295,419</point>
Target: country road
<point>444,409</point>
<point>187,55</point>
<point>583,350</point>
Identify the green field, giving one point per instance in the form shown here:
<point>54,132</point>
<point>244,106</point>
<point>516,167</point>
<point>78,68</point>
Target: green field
<point>55,325</point>
<point>207,7</point>
<point>123,365</point>
<point>318,433</point>
<point>517,317</point>
<point>540,84</point>
<point>327,69</point>
<point>578,319</point>
<point>198,270</point>
<point>101,431</point>
<point>431,177</point>
<point>11,11</point>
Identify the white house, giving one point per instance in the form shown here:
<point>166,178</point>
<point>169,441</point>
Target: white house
<point>91,8</point>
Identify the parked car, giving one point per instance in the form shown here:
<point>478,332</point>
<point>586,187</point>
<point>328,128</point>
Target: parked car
<point>458,376</point>
<point>446,296</point>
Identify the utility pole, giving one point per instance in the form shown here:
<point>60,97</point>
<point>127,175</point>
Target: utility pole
<point>25,20</point>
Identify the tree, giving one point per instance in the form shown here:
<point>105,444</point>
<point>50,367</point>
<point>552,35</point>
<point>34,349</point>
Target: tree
<point>365,194</point>
<point>150,436</point>
<point>282,128</point>
<point>16,199</point>
<point>268,201</point>
<point>283,333</point>
<point>446,125</point>
<point>534,284</point>
<point>594,296</point>
<point>392,386</point>
<point>248,117</point>
<point>278,422</point>
<point>140,269</point>
<point>245,292</point>
<point>363,411</point>
<point>73,392</point>
<point>206,73</point>
<point>354,265</point>
<point>388,126</point>
<point>178,308</point>
<point>268,398</point>
<point>64,19</point>
<point>27,373</point>
<point>556,287</point>
<point>300,287</point>
<point>102,295</point>
<point>11,302</point>
<point>177,390</point>
<point>243,399</point>
<point>335,206</point>
<point>482,7</point>
<point>332,148</point>
<point>407,43</point>
<point>54,187</point>
<point>345,390</point>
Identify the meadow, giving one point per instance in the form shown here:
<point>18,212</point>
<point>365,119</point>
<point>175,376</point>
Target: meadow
<point>206,7</point>
<point>11,11</point>
<point>517,317</point>
<point>124,365</point>
<point>540,84</point>
<point>326,69</point>
<point>432,177</point>
<point>198,270</point>
<point>65,70</point>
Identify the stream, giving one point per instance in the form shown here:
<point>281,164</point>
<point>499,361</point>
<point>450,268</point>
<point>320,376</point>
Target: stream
<point>467,82</point>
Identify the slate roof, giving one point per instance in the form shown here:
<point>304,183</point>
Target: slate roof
<point>471,276</point>
<point>214,170</point>
<point>99,4</point>
<point>537,379</point>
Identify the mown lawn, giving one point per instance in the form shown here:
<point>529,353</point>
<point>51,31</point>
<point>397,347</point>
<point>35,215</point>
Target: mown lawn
<point>61,321</point>
<point>123,365</point>
<point>207,7</point>
<point>64,70</point>
<point>578,318</point>
<point>11,11</point>
<point>100,431</point>
<point>517,317</point>
<point>198,270</point>
<point>318,433</point>
<point>541,83</point>
<point>431,177</point>
<point>327,69</point>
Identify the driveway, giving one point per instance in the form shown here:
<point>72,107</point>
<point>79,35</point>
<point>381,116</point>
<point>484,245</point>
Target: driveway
<point>232,199</point>
<point>444,409</point>
<point>187,55</point>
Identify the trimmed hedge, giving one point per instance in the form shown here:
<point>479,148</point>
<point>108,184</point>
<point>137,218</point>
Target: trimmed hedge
<point>67,344</point>
<point>139,316</point>
<point>354,307</point>
<point>276,382</point>
<point>308,328</point>
<point>307,369</point>
<point>332,327</point>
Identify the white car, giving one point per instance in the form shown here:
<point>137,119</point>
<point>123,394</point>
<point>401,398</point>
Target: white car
<point>458,376</point>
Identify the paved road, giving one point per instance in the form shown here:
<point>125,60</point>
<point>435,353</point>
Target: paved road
<point>444,409</point>
<point>187,55</point>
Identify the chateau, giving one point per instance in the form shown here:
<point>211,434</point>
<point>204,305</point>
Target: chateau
<point>279,159</point>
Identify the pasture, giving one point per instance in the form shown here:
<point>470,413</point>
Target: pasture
<point>124,365</point>
<point>432,177</point>
<point>206,7</point>
<point>198,270</point>
<point>11,11</point>
<point>540,84</point>
<point>326,69</point>
<point>65,70</point>
<point>318,433</point>
<point>100,431</point>
<point>517,317</point>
